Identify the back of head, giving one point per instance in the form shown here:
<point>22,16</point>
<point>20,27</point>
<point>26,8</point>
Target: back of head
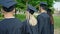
<point>49,12</point>
<point>8,5</point>
<point>8,9</point>
<point>31,9</point>
<point>43,5</point>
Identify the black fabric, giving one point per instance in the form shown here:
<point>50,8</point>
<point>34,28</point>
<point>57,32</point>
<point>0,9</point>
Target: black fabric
<point>11,26</point>
<point>43,23</point>
<point>52,28</point>
<point>30,29</point>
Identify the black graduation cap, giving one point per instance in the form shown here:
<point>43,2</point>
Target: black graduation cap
<point>43,3</point>
<point>30,7</point>
<point>7,3</point>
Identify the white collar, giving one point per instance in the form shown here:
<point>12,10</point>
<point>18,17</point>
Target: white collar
<point>9,17</point>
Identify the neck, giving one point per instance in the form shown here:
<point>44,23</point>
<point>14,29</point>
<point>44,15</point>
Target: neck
<point>43,11</point>
<point>8,16</point>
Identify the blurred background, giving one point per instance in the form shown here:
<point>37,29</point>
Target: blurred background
<point>53,4</point>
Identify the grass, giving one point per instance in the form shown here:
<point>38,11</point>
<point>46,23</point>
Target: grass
<point>57,21</point>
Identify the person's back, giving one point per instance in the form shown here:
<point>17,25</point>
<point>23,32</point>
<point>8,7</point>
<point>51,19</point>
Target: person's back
<point>10,26</point>
<point>43,23</point>
<point>45,15</point>
<point>51,20</point>
<point>31,22</point>
<point>31,26</point>
<point>43,20</point>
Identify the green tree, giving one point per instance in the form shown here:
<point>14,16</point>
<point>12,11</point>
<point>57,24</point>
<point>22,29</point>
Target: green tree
<point>36,2</point>
<point>22,3</point>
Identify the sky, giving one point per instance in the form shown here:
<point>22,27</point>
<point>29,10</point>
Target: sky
<point>57,5</point>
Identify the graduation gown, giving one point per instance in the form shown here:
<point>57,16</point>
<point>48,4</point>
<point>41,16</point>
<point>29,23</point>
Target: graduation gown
<point>30,29</point>
<point>52,28</point>
<point>52,24</point>
<point>11,26</point>
<point>43,23</point>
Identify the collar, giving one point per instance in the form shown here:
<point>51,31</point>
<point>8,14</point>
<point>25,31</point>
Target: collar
<point>9,17</point>
<point>43,12</point>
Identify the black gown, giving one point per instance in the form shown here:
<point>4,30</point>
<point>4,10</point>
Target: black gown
<point>30,29</point>
<point>11,26</point>
<point>43,23</point>
<point>52,28</point>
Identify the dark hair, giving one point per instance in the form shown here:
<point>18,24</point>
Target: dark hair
<point>51,17</point>
<point>31,12</point>
<point>49,12</point>
<point>44,7</point>
<point>8,9</point>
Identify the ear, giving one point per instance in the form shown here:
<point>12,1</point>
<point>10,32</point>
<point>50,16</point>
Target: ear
<point>14,10</point>
<point>2,11</point>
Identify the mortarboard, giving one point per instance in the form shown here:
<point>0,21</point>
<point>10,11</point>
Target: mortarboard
<point>30,7</point>
<point>7,3</point>
<point>43,3</point>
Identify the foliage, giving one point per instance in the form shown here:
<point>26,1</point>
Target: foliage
<point>22,3</point>
<point>57,0</point>
<point>21,17</point>
<point>49,2</point>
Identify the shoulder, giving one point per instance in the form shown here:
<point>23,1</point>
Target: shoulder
<point>11,22</point>
<point>45,15</point>
<point>18,22</point>
<point>24,22</point>
<point>40,16</point>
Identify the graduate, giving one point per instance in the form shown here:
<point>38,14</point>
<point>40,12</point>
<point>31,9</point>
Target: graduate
<point>10,24</point>
<point>31,22</point>
<point>43,19</point>
<point>51,20</point>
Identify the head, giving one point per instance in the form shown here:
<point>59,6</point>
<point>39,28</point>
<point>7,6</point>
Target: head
<point>8,7</point>
<point>30,11</point>
<point>43,7</point>
<point>10,10</point>
<point>49,12</point>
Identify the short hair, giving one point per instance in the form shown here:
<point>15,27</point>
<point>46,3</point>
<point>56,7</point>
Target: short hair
<point>8,9</point>
<point>44,7</point>
<point>49,11</point>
